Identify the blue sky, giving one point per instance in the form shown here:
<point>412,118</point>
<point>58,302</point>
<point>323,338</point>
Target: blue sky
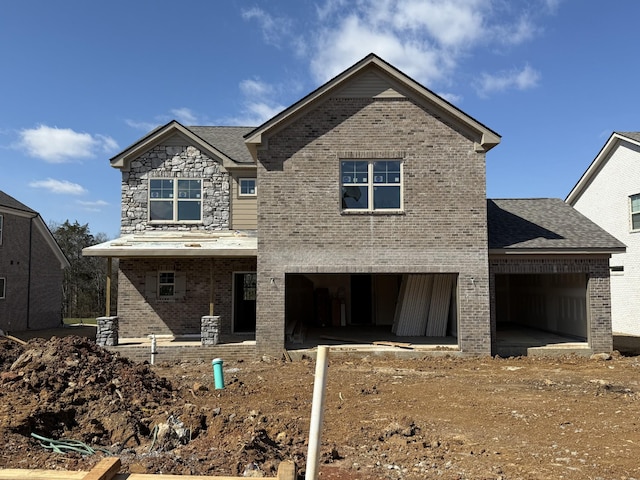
<point>82,80</point>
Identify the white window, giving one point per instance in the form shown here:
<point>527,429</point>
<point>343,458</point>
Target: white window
<point>634,204</point>
<point>166,285</point>
<point>247,187</point>
<point>371,185</point>
<point>1,224</point>
<point>3,283</point>
<point>175,200</point>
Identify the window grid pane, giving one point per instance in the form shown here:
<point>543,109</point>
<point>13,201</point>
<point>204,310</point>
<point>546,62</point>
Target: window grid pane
<point>171,201</point>
<point>247,186</point>
<point>371,185</point>
<point>166,284</point>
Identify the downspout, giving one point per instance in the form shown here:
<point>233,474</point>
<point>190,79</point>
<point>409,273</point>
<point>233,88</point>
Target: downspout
<point>29,270</point>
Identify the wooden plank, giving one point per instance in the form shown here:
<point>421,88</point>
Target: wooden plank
<point>16,339</point>
<point>159,476</point>
<point>22,474</point>
<point>395,344</point>
<point>287,470</point>
<point>104,470</point>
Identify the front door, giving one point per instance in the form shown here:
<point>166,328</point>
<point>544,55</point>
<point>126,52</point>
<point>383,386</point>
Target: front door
<point>244,302</point>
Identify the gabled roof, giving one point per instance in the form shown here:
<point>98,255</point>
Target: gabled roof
<point>10,205</point>
<point>486,138</point>
<point>8,201</point>
<point>544,226</point>
<point>599,161</point>
<point>224,143</point>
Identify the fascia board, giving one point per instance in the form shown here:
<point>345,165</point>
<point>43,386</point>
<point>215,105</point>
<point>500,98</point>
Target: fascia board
<point>597,163</point>
<point>487,137</point>
<point>123,160</point>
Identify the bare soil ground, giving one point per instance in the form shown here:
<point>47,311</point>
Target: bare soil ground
<point>439,417</point>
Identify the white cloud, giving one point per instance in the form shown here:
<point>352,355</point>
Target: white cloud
<point>274,29</point>
<point>59,186</point>
<point>522,79</point>
<point>144,126</point>
<point>427,39</point>
<point>185,116</point>
<point>92,206</point>
<point>59,145</point>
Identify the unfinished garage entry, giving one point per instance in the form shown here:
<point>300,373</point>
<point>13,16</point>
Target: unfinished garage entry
<point>418,309</point>
<point>539,309</point>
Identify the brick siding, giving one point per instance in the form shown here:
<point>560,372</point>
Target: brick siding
<point>443,228</point>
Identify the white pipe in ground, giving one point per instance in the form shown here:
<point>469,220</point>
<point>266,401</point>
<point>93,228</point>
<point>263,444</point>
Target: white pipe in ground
<point>317,413</point>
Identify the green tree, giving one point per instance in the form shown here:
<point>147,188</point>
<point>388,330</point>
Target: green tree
<point>83,289</point>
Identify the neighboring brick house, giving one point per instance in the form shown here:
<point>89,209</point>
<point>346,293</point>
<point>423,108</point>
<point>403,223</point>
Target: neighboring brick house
<point>609,194</point>
<point>370,200</point>
<point>31,269</point>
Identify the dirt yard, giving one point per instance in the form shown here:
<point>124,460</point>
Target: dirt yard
<point>445,417</point>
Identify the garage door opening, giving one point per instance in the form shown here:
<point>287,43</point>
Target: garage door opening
<point>402,309</point>
<point>534,310</point>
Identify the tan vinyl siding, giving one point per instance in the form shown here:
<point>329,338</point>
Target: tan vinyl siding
<point>244,210</point>
<point>369,85</point>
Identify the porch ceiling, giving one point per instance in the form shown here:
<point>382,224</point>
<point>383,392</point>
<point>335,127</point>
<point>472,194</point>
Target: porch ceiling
<point>177,244</point>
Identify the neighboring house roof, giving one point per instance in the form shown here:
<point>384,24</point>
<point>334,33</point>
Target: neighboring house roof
<point>224,143</point>
<point>10,202</point>
<point>178,244</point>
<point>544,226</point>
<point>10,205</point>
<point>486,138</point>
<point>598,162</point>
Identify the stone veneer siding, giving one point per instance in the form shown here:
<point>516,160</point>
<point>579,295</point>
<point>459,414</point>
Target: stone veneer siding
<point>140,316</point>
<point>598,289</point>
<point>443,228</point>
<point>171,161</point>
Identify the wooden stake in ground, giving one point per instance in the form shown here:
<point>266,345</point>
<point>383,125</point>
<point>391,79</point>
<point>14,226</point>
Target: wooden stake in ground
<point>317,412</point>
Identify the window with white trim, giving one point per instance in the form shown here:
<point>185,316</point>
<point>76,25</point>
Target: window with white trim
<point>371,185</point>
<point>1,225</point>
<point>3,285</point>
<point>247,187</point>
<point>175,200</point>
<point>166,285</point>
<point>634,208</point>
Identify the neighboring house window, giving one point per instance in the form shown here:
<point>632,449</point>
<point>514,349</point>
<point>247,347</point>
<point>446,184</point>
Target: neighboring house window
<point>371,184</point>
<point>247,187</point>
<point>166,284</point>
<point>175,200</point>
<point>2,287</point>
<point>635,211</point>
<point>1,224</point>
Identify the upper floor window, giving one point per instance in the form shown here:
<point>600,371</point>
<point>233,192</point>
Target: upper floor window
<point>247,187</point>
<point>3,283</point>
<point>635,211</point>
<point>175,200</point>
<point>371,185</point>
<point>1,224</point>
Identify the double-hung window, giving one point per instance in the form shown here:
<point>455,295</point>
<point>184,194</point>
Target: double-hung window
<point>3,287</point>
<point>166,285</point>
<point>175,200</point>
<point>371,185</point>
<point>634,204</point>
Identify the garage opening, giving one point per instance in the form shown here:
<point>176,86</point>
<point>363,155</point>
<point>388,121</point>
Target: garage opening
<point>407,309</point>
<point>541,309</point>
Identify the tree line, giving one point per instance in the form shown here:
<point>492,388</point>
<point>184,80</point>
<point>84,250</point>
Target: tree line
<point>85,280</point>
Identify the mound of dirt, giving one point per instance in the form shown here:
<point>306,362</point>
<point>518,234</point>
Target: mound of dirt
<point>436,417</point>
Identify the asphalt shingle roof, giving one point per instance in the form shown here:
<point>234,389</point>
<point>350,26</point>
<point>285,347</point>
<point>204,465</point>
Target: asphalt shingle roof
<point>10,202</point>
<point>229,140</point>
<point>632,135</point>
<point>544,224</point>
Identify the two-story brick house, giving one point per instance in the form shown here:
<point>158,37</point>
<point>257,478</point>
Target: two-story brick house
<point>31,269</point>
<point>361,206</point>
